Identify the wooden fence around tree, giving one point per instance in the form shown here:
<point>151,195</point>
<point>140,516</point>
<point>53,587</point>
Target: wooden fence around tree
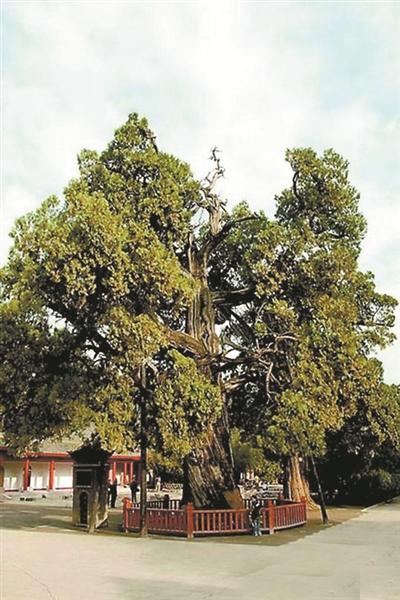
<point>188,521</point>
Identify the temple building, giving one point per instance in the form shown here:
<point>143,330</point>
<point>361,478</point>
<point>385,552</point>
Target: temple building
<point>51,468</point>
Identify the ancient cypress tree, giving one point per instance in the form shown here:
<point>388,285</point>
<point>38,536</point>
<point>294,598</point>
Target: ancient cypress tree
<point>136,307</point>
<point>303,342</point>
<point>105,292</point>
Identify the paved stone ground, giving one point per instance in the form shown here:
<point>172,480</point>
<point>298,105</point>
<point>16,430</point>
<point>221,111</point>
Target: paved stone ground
<point>357,560</point>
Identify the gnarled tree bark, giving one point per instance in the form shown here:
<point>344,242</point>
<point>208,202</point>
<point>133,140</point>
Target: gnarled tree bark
<point>298,483</point>
<point>208,471</point>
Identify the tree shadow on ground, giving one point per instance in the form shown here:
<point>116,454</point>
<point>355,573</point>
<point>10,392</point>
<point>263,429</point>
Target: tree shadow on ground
<point>31,517</point>
<point>145,588</point>
<point>337,515</point>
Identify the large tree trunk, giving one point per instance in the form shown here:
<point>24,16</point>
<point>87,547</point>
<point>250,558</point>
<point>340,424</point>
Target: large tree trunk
<point>208,472</point>
<point>98,516</point>
<point>143,526</point>
<point>324,514</point>
<point>298,483</point>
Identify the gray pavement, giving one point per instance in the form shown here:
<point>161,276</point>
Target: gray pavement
<point>357,560</point>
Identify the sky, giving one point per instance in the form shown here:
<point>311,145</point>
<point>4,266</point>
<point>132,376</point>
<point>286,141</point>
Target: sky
<point>252,78</point>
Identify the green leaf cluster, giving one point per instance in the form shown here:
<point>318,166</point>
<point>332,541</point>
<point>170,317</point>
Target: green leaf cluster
<point>91,282</point>
<point>187,404</point>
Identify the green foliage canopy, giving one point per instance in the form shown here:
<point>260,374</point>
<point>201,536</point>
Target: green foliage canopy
<point>93,282</point>
<point>303,344</point>
<point>98,286</point>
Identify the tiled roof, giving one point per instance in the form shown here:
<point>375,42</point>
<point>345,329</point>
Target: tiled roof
<point>65,445</point>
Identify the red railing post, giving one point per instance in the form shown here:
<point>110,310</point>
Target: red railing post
<point>127,504</point>
<point>304,502</point>
<point>189,520</point>
<point>124,515</point>
<point>271,517</point>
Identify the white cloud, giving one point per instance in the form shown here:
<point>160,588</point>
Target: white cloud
<point>20,197</point>
<point>252,78</point>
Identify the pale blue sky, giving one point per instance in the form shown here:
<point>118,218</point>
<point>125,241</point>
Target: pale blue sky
<point>250,77</point>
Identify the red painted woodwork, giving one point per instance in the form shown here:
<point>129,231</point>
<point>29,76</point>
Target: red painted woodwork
<point>271,517</point>
<point>167,521</point>
<point>210,522</point>
<point>191,522</point>
<point>131,516</point>
<point>25,484</point>
<point>51,475</point>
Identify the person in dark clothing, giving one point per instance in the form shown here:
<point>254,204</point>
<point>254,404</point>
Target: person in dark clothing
<point>108,492</point>
<point>112,493</point>
<point>134,489</point>
<point>255,516</point>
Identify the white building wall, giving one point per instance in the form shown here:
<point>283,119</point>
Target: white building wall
<point>119,473</point>
<point>62,476</point>
<point>39,475</point>
<point>13,475</point>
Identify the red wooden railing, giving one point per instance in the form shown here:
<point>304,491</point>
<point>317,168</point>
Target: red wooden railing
<point>163,520</point>
<point>131,516</point>
<point>221,521</point>
<point>189,521</point>
<point>288,515</point>
<point>159,520</point>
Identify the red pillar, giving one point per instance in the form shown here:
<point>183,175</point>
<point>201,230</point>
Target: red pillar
<point>51,475</point>
<point>114,470</point>
<point>25,484</point>
<point>131,472</point>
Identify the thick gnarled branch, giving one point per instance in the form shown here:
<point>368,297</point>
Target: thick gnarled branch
<point>184,341</point>
<point>233,297</point>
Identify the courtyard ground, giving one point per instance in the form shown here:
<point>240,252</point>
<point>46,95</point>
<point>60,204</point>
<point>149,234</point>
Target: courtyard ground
<point>43,556</point>
<point>56,517</point>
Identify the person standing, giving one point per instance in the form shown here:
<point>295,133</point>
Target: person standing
<point>255,516</point>
<point>158,484</point>
<point>134,489</point>
<point>112,493</point>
